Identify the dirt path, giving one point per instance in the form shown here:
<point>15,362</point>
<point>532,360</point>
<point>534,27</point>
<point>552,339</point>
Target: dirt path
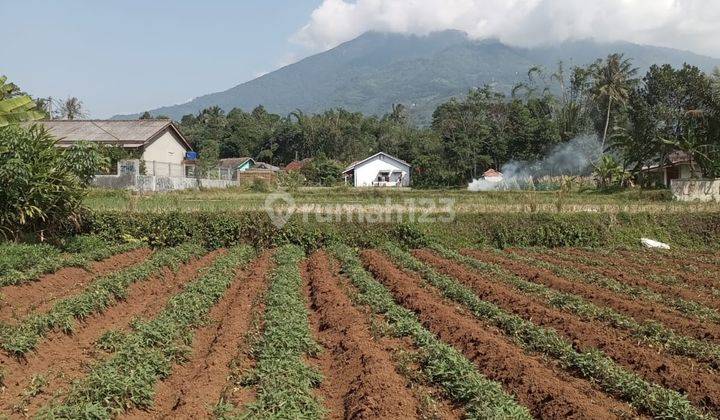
<point>545,389</point>
<point>193,388</point>
<point>360,379</point>
<point>634,280</point>
<point>640,310</point>
<point>62,358</point>
<point>19,301</point>
<point>702,385</point>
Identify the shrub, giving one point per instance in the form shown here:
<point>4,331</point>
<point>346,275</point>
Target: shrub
<point>86,159</point>
<point>40,192</point>
<point>323,171</point>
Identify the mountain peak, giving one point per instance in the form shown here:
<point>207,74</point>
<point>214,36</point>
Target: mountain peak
<point>378,69</point>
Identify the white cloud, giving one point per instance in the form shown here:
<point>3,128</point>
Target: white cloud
<point>684,24</point>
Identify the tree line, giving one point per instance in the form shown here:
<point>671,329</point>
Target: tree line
<point>638,121</point>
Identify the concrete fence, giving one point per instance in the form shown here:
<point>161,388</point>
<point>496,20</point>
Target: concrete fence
<point>696,189</point>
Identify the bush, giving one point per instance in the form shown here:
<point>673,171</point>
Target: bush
<point>39,190</point>
<point>323,172</point>
<point>86,160</point>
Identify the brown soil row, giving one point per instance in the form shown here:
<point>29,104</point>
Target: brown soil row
<point>63,358</point>
<point>18,301</point>
<point>701,385</point>
<point>193,388</point>
<point>546,390</point>
<point>684,276</point>
<point>666,259</point>
<point>660,264</point>
<point>640,310</point>
<point>360,379</point>
<point>634,280</point>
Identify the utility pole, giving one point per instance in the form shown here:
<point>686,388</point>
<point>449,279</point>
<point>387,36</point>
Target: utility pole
<point>49,106</point>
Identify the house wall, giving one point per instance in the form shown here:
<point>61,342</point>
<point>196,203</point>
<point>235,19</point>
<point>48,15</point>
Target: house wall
<point>366,173</point>
<point>695,189</point>
<point>168,149</point>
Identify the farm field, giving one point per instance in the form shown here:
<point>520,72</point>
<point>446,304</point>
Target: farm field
<point>374,332</point>
<point>317,200</point>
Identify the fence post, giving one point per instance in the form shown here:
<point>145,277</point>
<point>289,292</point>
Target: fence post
<point>154,168</point>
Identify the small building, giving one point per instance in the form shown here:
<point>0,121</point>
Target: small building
<point>491,175</point>
<point>676,165</point>
<point>297,165</point>
<point>159,143</point>
<point>378,170</point>
<point>235,165</point>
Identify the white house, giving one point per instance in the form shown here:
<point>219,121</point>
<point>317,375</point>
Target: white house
<point>159,142</point>
<point>379,170</point>
<point>676,165</point>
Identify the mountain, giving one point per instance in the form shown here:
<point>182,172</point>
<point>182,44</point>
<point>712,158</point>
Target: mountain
<point>376,70</point>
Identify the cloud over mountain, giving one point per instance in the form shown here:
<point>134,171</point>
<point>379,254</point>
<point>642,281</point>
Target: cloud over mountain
<point>685,24</point>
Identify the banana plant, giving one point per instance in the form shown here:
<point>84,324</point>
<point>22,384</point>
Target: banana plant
<point>14,110</point>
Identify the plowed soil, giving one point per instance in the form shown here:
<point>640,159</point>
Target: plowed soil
<point>193,389</point>
<point>702,385</point>
<point>63,358</point>
<point>360,379</point>
<point>18,301</point>
<point>638,309</point>
<point>635,280</point>
<point>545,389</point>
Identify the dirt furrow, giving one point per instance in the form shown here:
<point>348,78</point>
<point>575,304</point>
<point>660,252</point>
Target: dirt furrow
<point>18,301</point>
<point>62,358</point>
<point>193,388</point>
<point>546,390</point>
<point>608,271</point>
<point>678,264</point>
<point>622,262</point>
<point>701,385</point>
<point>360,379</point>
<point>640,310</point>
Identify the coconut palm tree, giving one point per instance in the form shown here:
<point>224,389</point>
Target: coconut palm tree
<point>72,108</point>
<point>14,107</point>
<point>613,79</point>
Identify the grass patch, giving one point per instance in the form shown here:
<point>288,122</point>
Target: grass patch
<point>594,365</point>
<point>284,382</point>
<point>101,294</point>
<point>128,378</point>
<point>443,364</point>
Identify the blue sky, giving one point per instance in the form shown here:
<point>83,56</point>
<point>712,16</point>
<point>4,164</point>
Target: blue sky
<point>130,55</point>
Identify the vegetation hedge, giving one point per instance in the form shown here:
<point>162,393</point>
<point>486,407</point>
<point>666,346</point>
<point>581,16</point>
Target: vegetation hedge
<point>216,229</point>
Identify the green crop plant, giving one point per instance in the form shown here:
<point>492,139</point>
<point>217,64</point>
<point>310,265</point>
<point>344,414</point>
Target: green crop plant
<point>99,295</point>
<point>650,332</point>
<point>283,380</point>
<point>443,364</point>
<point>45,264</point>
<point>127,379</point>
<point>593,364</point>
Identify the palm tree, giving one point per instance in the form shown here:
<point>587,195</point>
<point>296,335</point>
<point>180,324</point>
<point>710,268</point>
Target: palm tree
<point>72,108</point>
<point>14,107</point>
<point>613,81</point>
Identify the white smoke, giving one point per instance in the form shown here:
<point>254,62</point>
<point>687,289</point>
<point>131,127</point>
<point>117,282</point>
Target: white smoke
<point>571,158</point>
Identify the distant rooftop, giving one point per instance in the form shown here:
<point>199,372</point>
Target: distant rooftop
<point>126,132</point>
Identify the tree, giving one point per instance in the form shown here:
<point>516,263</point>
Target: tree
<point>72,108</point>
<point>613,80</point>
<point>16,107</point>
<point>40,191</point>
<point>323,171</point>
<point>86,159</point>
<point>145,116</point>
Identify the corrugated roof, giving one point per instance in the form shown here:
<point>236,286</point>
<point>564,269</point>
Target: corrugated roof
<point>356,163</point>
<point>297,165</point>
<point>233,162</point>
<point>490,173</point>
<point>109,131</point>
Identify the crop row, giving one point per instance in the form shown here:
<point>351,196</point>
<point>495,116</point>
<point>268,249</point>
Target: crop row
<point>44,262</point>
<point>102,293</point>
<point>594,365</point>
<point>443,364</point>
<point>127,379</point>
<point>650,332</point>
<point>283,381</point>
<point>684,306</point>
